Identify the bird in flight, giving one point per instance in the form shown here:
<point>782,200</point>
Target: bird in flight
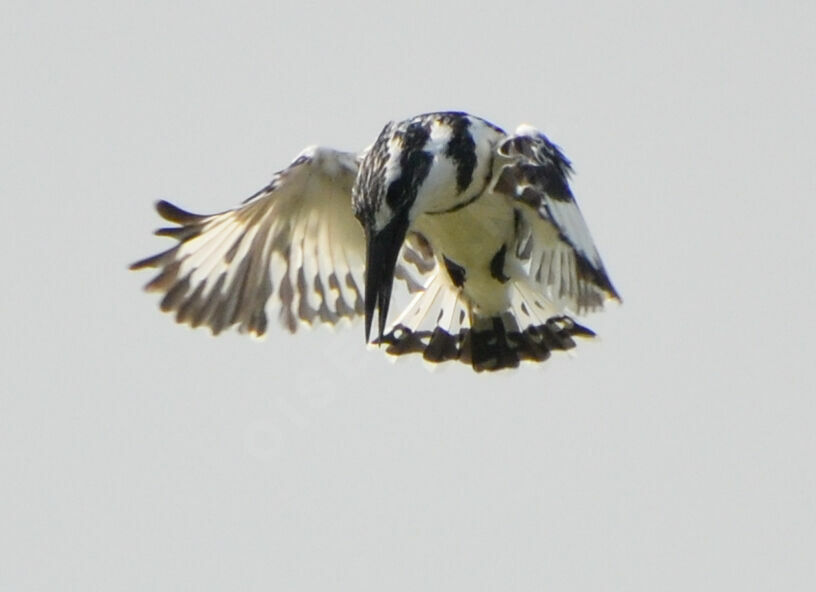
<point>477,227</point>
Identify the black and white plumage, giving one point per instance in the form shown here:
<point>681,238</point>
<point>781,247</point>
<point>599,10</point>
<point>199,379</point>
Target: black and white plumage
<point>479,226</point>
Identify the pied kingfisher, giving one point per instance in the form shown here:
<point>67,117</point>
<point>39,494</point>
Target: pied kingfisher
<point>479,226</point>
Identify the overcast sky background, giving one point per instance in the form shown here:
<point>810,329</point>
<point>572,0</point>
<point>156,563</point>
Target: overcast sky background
<point>675,453</point>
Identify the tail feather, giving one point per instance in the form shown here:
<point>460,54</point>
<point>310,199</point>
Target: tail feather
<point>441,326</point>
<point>495,344</point>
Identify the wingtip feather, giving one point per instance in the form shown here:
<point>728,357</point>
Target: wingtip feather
<point>173,213</point>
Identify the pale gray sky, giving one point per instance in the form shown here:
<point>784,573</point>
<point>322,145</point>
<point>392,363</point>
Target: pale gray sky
<point>675,453</point>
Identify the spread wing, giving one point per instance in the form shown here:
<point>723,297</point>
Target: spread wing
<point>294,245</point>
<point>554,239</point>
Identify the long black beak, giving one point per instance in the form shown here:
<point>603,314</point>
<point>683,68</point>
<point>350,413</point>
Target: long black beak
<point>382,249</point>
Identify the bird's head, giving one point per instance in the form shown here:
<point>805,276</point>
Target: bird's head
<point>386,187</point>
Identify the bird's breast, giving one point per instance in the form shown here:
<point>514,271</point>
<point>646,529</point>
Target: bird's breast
<point>476,241</point>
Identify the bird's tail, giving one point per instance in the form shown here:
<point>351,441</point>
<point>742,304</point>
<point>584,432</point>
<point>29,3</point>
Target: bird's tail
<point>441,325</point>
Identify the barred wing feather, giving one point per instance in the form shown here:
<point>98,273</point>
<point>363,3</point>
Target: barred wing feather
<point>294,247</point>
<point>553,238</point>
